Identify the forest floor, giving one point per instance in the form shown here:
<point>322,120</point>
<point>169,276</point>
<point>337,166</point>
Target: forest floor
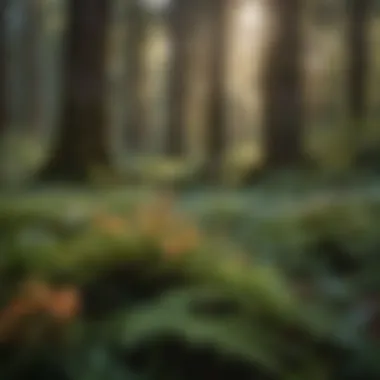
<point>246,241</point>
<point>240,215</point>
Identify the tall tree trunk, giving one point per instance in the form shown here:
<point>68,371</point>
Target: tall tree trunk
<point>180,27</point>
<point>136,45</point>
<point>82,141</point>
<point>3,92</point>
<point>359,13</point>
<point>32,38</point>
<point>358,23</point>
<point>282,86</point>
<point>22,54</point>
<point>216,128</point>
<point>3,87</point>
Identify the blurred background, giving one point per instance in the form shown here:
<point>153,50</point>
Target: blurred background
<point>182,88</point>
<point>189,189</point>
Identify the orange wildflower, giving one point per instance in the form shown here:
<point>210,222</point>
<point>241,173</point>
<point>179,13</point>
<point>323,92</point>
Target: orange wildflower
<point>181,242</point>
<point>152,222</point>
<point>148,223</point>
<point>32,297</point>
<point>37,297</point>
<point>114,225</point>
<point>172,247</point>
<point>11,318</point>
<point>35,292</point>
<point>64,304</point>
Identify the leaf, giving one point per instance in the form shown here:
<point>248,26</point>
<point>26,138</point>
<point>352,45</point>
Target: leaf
<point>93,361</point>
<point>171,314</point>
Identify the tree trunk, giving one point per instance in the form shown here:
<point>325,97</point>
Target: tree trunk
<point>137,114</point>
<point>180,26</point>
<point>216,128</point>
<point>32,38</point>
<point>3,87</point>
<point>282,86</point>
<point>3,92</point>
<point>82,141</point>
<point>359,13</point>
<point>359,17</point>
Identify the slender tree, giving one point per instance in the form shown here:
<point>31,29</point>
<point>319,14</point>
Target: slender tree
<point>218,17</point>
<point>136,47</point>
<point>3,94</point>
<point>21,62</point>
<point>358,23</point>
<point>180,28</point>
<point>82,140</point>
<point>3,76</point>
<point>282,86</point>
<point>359,13</point>
<point>32,39</point>
<point>3,88</point>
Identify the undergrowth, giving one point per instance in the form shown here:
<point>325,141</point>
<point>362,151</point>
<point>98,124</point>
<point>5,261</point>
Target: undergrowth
<point>140,292</point>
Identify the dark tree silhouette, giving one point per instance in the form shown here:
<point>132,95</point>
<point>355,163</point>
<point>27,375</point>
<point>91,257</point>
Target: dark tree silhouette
<point>137,113</point>
<point>32,37</point>
<point>3,86</point>
<point>282,86</point>
<point>82,141</point>
<point>218,16</point>
<point>2,72</point>
<point>180,27</point>
<point>359,13</point>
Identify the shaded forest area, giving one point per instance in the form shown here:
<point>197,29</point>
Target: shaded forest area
<point>189,189</point>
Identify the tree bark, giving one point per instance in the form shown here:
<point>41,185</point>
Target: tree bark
<point>359,13</point>
<point>180,27</point>
<point>136,44</point>
<point>282,87</point>
<point>216,128</point>
<point>3,76</point>
<point>32,38</point>
<point>82,141</point>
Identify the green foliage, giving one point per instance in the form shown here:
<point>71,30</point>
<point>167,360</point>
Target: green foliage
<point>162,300</point>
